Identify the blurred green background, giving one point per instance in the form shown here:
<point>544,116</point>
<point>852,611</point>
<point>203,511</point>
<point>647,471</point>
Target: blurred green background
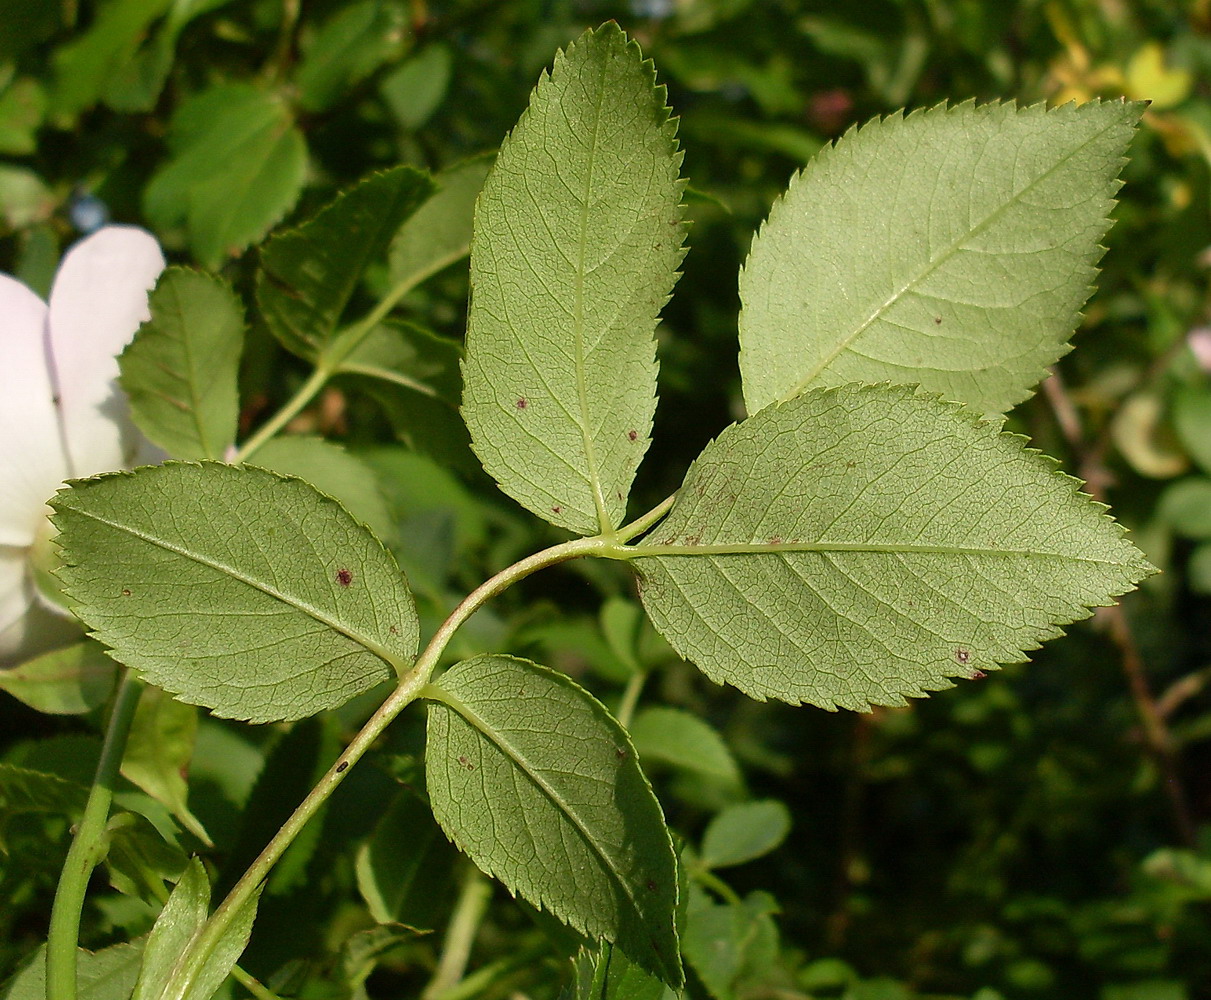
<point>1045,832</point>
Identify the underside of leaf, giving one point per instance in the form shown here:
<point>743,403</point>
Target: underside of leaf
<point>236,589</point>
<point>859,545</point>
<point>952,248</point>
<point>540,786</point>
<point>578,236</point>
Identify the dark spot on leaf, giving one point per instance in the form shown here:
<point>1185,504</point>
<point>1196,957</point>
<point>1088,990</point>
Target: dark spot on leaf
<point>977,675</point>
<point>774,540</point>
<point>556,510</point>
<point>633,435</point>
<point>651,886</point>
<point>522,403</point>
<point>466,763</point>
<point>963,655</point>
<point>393,630</point>
<point>620,753</point>
<point>938,320</point>
<point>125,592</point>
<point>344,577</point>
<point>341,766</point>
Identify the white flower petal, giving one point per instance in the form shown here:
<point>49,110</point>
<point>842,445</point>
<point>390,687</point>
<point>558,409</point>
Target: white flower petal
<point>26,627</point>
<point>31,452</point>
<point>97,303</point>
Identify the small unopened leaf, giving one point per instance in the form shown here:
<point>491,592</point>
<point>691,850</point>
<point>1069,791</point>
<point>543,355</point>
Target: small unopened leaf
<point>249,594</point>
<point>536,782</point>
<point>952,248</point>
<point>68,681</point>
<point>578,235</point>
<point>180,371</point>
<point>858,545</point>
<point>309,274</point>
<point>158,751</point>
<point>167,956</point>
<point>743,832</point>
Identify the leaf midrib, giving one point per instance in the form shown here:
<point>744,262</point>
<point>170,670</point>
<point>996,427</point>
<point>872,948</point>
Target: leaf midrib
<point>656,549</point>
<point>444,696</point>
<point>582,392</point>
<point>848,339</point>
<point>349,632</point>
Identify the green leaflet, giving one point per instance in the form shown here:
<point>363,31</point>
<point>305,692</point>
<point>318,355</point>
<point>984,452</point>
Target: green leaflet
<point>578,235</point>
<point>108,974</point>
<point>857,545</point>
<point>181,369</point>
<point>330,469</point>
<point>439,232</point>
<point>952,248</point>
<point>158,751</point>
<point>539,785</point>
<point>744,831</point>
<point>676,737</point>
<point>605,973</point>
<point>238,590</point>
<point>67,681</point>
<point>309,274</point>
<point>238,165</point>
<point>164,975</point>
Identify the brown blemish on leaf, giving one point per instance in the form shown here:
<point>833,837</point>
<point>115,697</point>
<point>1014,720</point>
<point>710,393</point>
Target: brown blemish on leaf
<point>651,886</point>
<point>963,655</point>
<point>556,510</point>
<point>620,753</point>
<point>937,320</point>
<point>977,675</point>
<point>632,435</point>
<point>344,577</point>
<point>774,540</point>
<point>465,763</point>
<point>522,403</point>
<point>125,592</point>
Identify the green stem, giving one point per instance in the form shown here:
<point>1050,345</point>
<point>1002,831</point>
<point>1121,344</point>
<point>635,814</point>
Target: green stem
<point>630,698</point>
<point>87,849</point>
<point>253,985</point>
<point>644,523</point>
<point>713,881</point>
<point>191,961</point>
<point>327,365</point>
<point>480,980</point>
<point>468,913</point>
<point>306,393</point>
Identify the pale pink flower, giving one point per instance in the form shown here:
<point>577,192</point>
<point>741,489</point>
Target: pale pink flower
<point>62,414</point>
<point>1199,342</point>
